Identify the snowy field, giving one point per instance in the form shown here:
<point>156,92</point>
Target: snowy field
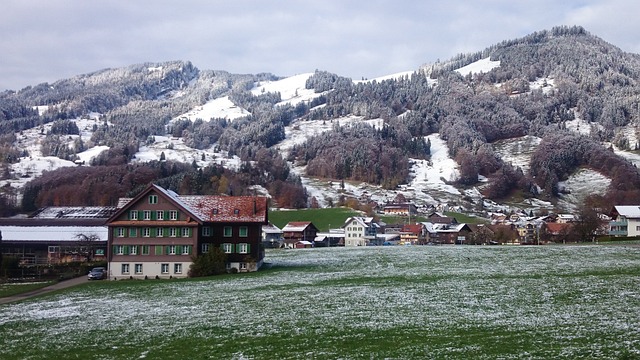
<point>454,302</point>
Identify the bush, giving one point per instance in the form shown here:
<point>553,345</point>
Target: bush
<point>212,263</point>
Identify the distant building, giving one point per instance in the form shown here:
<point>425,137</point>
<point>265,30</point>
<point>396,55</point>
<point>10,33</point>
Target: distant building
<point>272,236</point>
<point>359,231</point>
<point>57,234</point>
<point>404,209</point>
<point>296,231</point>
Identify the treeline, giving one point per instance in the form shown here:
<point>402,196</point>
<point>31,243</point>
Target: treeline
<point>103,185</point>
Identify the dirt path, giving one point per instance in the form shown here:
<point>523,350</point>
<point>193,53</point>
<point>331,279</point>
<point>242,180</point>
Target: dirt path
<point>47,289</point>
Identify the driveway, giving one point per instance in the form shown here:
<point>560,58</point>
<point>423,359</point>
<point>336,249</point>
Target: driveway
<point>57,286</point>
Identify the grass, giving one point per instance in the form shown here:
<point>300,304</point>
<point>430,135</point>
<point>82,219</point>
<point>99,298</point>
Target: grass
<point>10,289</point>
<point>321,218</point>
<point>416,302</point>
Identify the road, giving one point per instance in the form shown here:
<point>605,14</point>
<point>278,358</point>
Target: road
<point>47,289</point>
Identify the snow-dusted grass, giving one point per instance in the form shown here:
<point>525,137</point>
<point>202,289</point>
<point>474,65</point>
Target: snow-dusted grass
<point>220,108</point>
<point>359,303</point>
<point>292,89</point>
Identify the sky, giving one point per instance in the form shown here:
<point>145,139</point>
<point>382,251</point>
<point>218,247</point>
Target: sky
<point>46,40</point>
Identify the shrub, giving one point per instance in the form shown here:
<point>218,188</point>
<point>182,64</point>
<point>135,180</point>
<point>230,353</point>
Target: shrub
<point>211,263</point>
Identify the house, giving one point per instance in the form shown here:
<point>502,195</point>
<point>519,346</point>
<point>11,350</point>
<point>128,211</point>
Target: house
<point>57,234</point>
<point>271,236</point>
<point>303,244</point>
<point>626,220</point>
<point>359,231</point>
<point>451,234</point>
<point>157,233</point>
<point>557,232</point>
<point>298,231</point>
<point>412,234</point>
<point>402,209</point>
<point>335,237</point>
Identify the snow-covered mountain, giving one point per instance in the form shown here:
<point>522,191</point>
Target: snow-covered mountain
<point>158,107</point>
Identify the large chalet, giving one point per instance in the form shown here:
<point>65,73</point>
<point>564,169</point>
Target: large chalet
<point>157,233</point>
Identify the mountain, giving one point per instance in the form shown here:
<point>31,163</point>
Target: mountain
<point>547,121</point>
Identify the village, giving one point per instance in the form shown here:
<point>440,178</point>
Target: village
<point>158,233</point>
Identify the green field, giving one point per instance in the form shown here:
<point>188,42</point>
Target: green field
<point>413,302</point>
<point>321,218</point>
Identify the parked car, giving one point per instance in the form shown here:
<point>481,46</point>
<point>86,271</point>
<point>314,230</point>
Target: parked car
<point>97,273</point>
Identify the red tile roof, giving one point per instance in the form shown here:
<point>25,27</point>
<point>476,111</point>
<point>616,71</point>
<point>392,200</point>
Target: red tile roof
<point>213,208</point>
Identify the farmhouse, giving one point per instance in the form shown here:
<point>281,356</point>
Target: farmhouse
<point>156,234</point>
<point>57,235</point>
<point>296,231</point>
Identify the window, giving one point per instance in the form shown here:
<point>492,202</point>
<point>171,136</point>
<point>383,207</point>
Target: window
<point>228,231</point>
<point>120,232</point>
<point>185,232</point>
<point>164,268</point>
<point>159,249</point>
<point>243,231</point>
<point>173,215</point>
<point>243,248</point>
<point>205,248</point>
<point>147,214</point>
<point>186,250</point>
<point>145,249</point>
<point>243,266</point>
<point>177,268</point>
<point>133,215</point>
<point>173,232</point>
<point>206,231</point>
<point>125,268</point>
<point>133,250</point>
<point>138,268</point>
<point>637,228</point>
<point>227,248</point>
<point>153,199</point>
<point>54,249</point>
<point>172,249</point>
<point>133,232</point>
<point>146,232</point>
<point>215,211</point>
<point>159,232</point>
<point>159,215</point>
<point>119,250</point>
<point>236,211</point>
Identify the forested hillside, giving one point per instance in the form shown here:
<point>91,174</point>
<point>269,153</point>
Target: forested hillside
<point>541,85</point>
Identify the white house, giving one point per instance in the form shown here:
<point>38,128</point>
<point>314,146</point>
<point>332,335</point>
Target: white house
<point>626,220</point>
<point>358,231</point>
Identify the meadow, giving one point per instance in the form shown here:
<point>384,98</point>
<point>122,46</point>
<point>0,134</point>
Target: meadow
<point>414,302</point>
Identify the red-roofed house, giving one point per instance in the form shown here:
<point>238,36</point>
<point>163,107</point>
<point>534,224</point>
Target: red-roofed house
<point>155,234</point>
<point>296,231</point>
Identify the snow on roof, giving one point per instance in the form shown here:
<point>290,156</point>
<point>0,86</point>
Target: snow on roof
<point>628,211</point>
<point>51,233</point>
<point>271,229</point>
<point>214,208</point>
<point>296,226</point>
<point>75,212</point>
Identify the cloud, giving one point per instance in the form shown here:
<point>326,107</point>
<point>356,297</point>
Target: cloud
<point>43,40</point>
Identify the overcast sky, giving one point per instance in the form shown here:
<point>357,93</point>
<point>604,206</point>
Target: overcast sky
<point>48,40</point>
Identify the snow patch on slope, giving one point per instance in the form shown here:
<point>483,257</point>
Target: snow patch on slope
<point>481,66</point>
<point>220,108</point>
<point>292,89</point>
